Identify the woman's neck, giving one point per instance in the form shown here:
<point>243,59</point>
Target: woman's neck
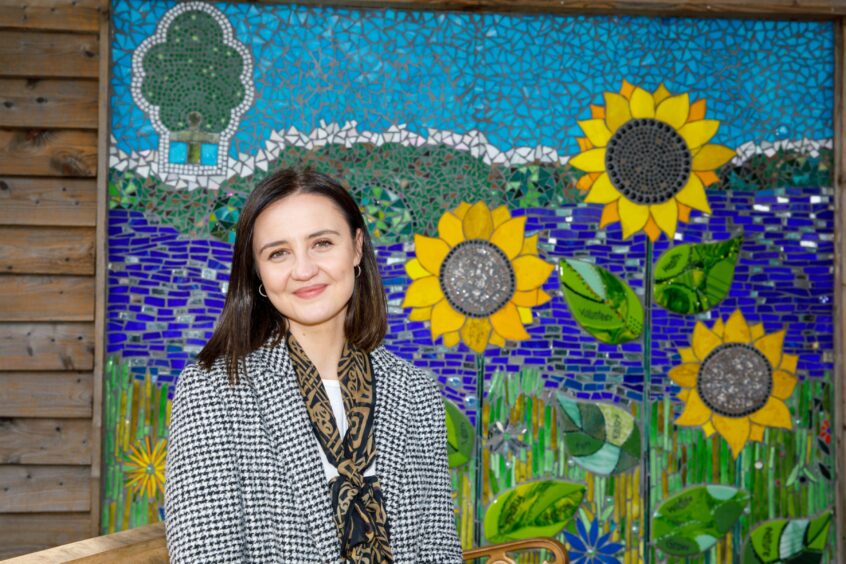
<point>323,345</point>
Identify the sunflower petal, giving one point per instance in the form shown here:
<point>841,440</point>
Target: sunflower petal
<point>445,319</point>
<point>683,394</point>
<point>686,354</point>
<point>709,430</point>
<point>661,93</point>
<point>789,362</point>
<point>597,111</point>
<point>530,246</point>
<point>633,216</point>
<point>506,322</point>
<point>414,269</point>
<point>431,252</point>
<point>596,130</point>
<point>478,223</point>
<point>666,215</point>
<point>451,339</point>
<point>695,411</point>
<point>509,236</point>
<point>423,293</point>
<point>420,314</point>
<point>685,375</point>
<point>602,191</point>
<point>693,195</point>
<point>496,340</point>
<point>697,111</point>
<point>626,89</point>
<point>449,229</point>
<point>773,414</point>
<point>684,213</point>
<point>642,104</point>
<point>783,384</point>
<point>710,157</point>
<point>610,214</point>
<point>531,272</point>
<point>525,315</point>
<point>617,111</point>
<point>651,229</point>
<point>530,298</point>
<point>698,133</point>
<point>704,340</point>
<point>674,110</point>
<point>475,333</point>
<point>719,328</point>
<point>590,161</point>
<point>737,330</point>
<point>735,430</point>
<point>757,331</point>
<point>500,215</point>
<point>756,433</point>
<point>707,177</point>
<point>585,182</point>
<point>770,346</point>
<point>461,210</point>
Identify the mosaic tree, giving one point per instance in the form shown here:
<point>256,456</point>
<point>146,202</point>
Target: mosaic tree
<point>194,78</point>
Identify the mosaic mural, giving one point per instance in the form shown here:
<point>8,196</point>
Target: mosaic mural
<point>609,239</point>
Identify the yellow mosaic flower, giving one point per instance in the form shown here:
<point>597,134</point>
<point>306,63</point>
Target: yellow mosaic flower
<point>478,280</point>
<point>146,467</point>
<point>648,159</point>
<point>734,381</point>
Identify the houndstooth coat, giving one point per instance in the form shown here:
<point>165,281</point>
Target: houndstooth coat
<point>244,481</point>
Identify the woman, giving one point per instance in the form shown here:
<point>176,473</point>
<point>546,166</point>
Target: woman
<point>296,437</point>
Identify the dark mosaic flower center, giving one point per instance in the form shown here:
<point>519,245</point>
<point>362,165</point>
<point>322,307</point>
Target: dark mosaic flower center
<point>648,161</point>
<point>477,278</point>
<point>735,380</point>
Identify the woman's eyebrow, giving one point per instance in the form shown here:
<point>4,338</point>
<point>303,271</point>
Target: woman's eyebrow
<point>314,235</point>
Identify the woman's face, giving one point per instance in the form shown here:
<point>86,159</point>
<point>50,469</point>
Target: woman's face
<point>306,259</point>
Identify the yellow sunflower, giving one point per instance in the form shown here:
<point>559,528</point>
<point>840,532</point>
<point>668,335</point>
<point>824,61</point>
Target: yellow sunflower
<point>146,467</point>
<point>734,381</point>
<point>648,159</point>
<point>478,280</point>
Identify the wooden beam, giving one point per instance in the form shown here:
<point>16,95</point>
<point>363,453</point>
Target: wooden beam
<point>47,346</point>
<point>44,489</point>
<point>144,544</point>
<point>839,120</point>
<point>101,270</point>
<point>25,533</point>
<point>48,201</point>
<point>49,55</point>
<point>45,394</point>
<point>47,250</point>
<point>48,152</point>
<point>60,15</point>
<point>45,441</point>
<point>29,102</point>
<point>33,297</point>
<point>733,8</point>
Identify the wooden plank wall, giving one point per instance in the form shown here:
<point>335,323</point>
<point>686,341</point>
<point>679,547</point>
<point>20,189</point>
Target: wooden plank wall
<point>50,94</point>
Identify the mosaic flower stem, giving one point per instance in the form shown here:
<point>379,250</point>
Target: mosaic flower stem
<point>479,467</point>
<point>646,408</point>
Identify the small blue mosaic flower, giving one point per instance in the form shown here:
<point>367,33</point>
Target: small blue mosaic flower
<point>589,548</point>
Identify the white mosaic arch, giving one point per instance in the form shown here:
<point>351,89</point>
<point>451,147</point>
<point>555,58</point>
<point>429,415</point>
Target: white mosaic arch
<point>164,167</point>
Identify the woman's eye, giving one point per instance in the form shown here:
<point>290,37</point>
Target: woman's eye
<point>323,243</point>
<point>278,254</point>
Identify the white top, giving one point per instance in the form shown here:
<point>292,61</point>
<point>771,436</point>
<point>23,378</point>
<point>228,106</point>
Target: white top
<point>333,391</point>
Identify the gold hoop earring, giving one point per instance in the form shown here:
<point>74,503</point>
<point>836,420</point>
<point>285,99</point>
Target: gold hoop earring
<point>357,272</point>
<point>262,294</point>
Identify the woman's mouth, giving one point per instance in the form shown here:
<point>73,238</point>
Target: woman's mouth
<point>310,291</point>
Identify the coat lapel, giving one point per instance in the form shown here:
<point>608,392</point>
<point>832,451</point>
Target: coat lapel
<point>392,412</point>
<point>285,417</point>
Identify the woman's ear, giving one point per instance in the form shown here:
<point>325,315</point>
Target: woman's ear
<point>359,245</point>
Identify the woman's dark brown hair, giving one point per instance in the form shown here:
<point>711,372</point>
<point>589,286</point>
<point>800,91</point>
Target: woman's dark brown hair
<point>248,319</point>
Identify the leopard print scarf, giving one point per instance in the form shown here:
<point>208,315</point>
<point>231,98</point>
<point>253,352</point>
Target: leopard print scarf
<point>357,501</point>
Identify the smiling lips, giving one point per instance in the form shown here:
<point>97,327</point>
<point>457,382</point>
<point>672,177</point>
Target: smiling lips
<point>310,291</point>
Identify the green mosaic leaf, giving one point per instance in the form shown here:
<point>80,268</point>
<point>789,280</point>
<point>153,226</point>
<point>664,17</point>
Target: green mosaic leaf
<point>534,509</point>
<point>788,541</point>
<point>604,306</point>
<point>460,435</point>
<point>601,438</point>
<point>695,278</point>
<point>692,521</point>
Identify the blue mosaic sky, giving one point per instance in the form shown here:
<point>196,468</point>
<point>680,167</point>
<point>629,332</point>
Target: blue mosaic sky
<point>521,80</point>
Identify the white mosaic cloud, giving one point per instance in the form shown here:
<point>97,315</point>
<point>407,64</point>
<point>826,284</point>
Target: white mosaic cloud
<point>146,163</point>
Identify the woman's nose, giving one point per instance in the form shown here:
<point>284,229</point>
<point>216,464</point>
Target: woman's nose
<point>304,267</point>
